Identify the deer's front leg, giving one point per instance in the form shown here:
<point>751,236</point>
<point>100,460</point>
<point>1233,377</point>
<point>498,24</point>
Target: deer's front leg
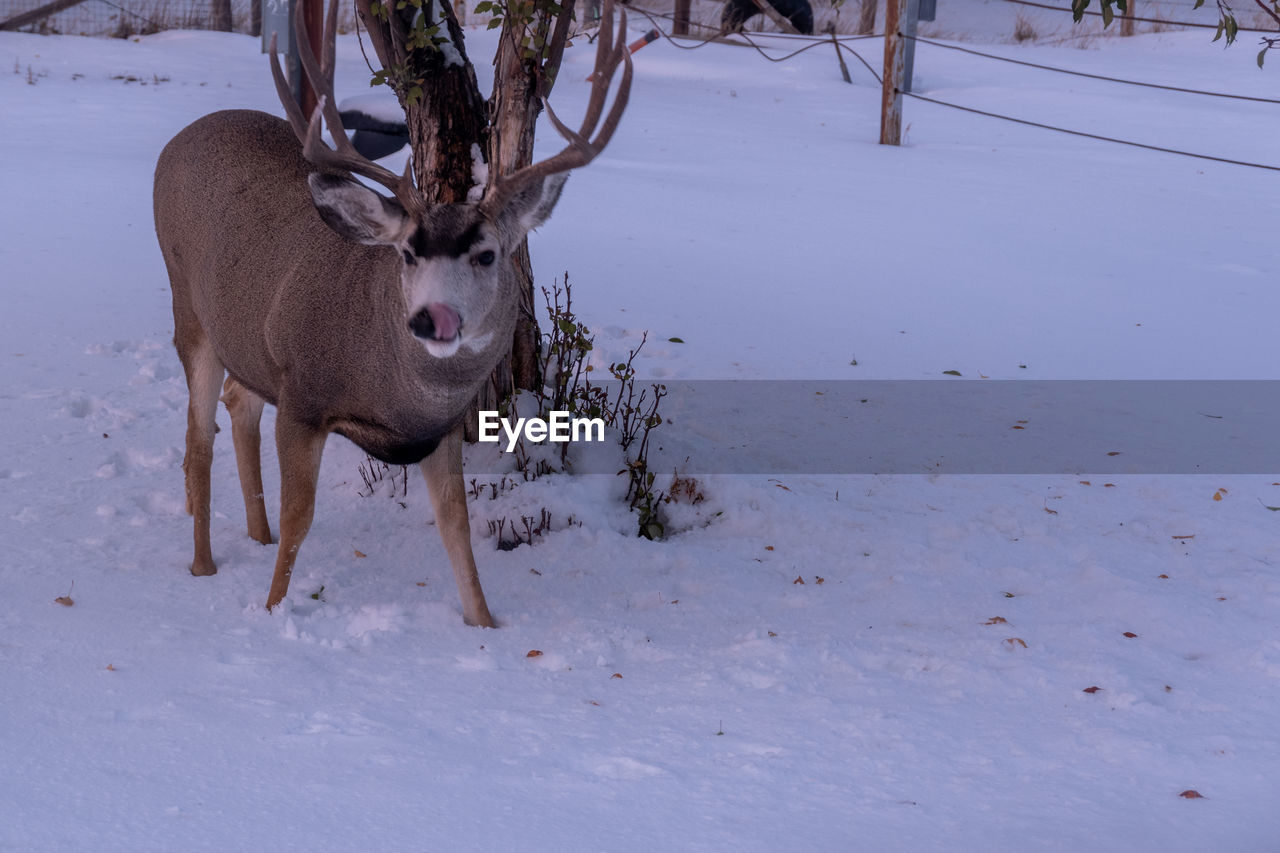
<point>443,473</point>
<point>300,448</point>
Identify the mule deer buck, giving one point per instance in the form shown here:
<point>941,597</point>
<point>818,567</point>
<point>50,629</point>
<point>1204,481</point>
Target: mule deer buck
<point>377,318</point>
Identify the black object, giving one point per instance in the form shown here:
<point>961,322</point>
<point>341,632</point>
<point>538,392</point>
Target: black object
<point>738,12</point>
<point>373,137</point>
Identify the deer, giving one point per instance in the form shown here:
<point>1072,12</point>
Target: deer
<point>352,312</point>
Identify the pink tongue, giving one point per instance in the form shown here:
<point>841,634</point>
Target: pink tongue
<point>446,321</point>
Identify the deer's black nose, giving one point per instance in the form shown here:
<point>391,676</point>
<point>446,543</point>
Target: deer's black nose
<point>436,322</point>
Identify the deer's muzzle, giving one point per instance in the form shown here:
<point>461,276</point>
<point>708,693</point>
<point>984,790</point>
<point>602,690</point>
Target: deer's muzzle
<point>436,322</point>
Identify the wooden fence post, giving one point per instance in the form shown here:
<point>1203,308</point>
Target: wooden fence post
<point>680,22</point>
<point>891,96</point>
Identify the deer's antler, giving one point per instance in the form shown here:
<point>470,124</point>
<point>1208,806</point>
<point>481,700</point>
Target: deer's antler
<point>344,155</point>
<point>582,148</point>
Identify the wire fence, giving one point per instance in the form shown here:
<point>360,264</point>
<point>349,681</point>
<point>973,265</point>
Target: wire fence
<point>121,18</point>
<point>1100,77</point>
<point>843,44</point>
<point>1025,63</point>
<point>1161,21</point>
<point>1098,136</point>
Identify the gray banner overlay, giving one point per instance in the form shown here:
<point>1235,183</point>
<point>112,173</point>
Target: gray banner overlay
<point>966,427</point>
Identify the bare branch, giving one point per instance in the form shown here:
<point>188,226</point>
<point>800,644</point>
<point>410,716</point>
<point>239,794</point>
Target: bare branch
<point>345,157</point>
<point>582,148</point>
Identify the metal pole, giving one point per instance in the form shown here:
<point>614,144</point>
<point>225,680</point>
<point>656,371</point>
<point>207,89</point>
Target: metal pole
<point>277,20</point>
<point>891,96</point>
<point>908,29</point>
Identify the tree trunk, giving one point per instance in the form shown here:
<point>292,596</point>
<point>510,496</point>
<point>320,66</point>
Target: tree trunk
<point>220,15</point>
<point>516,106</point>
<point>444,124</point>
<point>446,119</point>
<point>867,17</point>
<point>1126,22</point>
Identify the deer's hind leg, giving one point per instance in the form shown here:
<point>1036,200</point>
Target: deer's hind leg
<point>204,380</point>
<point>246,419</point>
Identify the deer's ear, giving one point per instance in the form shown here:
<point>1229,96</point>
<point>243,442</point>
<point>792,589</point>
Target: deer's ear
<point>531,207</point>
<point>355,211</point>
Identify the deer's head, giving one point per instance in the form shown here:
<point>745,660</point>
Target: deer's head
<point>453,257</point>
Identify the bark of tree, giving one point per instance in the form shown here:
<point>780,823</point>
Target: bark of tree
<point>448,120</point>
<point>449,117</point>
<point>1126,22</point>
<point>516,105</point>
<point>220,15</point>
<point>519,85</point>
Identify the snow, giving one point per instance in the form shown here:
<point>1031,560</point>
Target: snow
<point>381,105</point>
<point>690,694</point>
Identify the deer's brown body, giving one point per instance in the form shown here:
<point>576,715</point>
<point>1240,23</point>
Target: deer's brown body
<point>374,317</point>
<point>315,299</point>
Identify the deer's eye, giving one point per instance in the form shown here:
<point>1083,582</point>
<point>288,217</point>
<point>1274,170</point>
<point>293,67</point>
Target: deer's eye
<point>409,259</point>
<point>485,258</point>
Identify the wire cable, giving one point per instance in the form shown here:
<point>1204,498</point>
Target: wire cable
<point>841,45</point>
<point>1140,20</point>
<point>814,41</point>
<point>1086,74</point>
<point>135,14</point>
<point>1087,135</point>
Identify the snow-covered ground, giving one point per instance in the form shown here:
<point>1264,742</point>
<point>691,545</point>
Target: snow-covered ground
<point>924,688</point>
